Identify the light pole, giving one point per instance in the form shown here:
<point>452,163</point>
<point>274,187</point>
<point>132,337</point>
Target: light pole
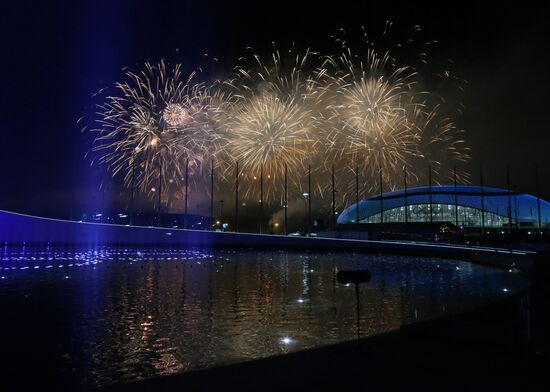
<point>538,195</point>
<point>357,195</point>
<point>160,192</point>
<point>309,200</point>
<point>456,197</point>
<point>482,200</point>
<point>212,196</point>
<point>306,195</point>
<point>509,205</point>
<point>103,201</point>
<point>186,193</point>
<point>285,202</point>
<point>430,191</point>
<point>406,195</point>
<point>333,218</point>
<point>261,198</point>
<point>132,186</point>
<point>236,228</point>
<point>381,199</point>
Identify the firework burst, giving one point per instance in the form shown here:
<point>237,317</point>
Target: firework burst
<point>379,120</point>
<point>368,126</point>
<point>155,121</point>
<point>367,111</point>
<point>272,121</point>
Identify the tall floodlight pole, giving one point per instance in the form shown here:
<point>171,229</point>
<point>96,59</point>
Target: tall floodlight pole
<point>237,197</point>
<point>482,199</point>
<point>456,197</point>
<point>115,195</point>
<point>285,202</point>
<point>72,211</point>
<point>212,195</point>
<point>261,198</point>
<point>357,194</point>
<point>186,193</point>
<point>381,198</point>
<point>430,192</point>
<point>516,208</point>
<point>538,195</point>
<point>509,206</point>
<point>406,196</point>
<point>160,192</point>
<point>103,186</point>
<point>309,199</point>
<point>333,201</point>
<point>132,190</point>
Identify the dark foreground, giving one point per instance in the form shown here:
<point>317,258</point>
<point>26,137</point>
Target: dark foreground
<point>501,347</point>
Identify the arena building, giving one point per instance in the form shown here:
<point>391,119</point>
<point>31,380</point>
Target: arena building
<point>466,206</point>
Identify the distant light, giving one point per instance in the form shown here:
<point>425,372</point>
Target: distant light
<point>66,277</point>
<point>153,189</point>
<point>505,290</point>
<point>286,340</point>
<point>305,194</point>
<point>168,233</point>
<point>301,301</point>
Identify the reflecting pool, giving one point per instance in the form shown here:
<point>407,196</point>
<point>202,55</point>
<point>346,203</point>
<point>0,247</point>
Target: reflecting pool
<point>108,315</point>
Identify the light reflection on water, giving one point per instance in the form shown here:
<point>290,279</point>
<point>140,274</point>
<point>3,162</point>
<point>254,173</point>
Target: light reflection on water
<point>127,314</point>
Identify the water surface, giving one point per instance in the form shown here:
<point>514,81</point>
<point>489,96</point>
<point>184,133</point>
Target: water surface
<point>97,317</point>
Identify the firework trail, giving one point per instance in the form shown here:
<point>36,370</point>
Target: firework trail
<point>443,146</point>
<point>155,120</point>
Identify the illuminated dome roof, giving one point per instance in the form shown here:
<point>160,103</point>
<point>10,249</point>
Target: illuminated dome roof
<point>468,198</point>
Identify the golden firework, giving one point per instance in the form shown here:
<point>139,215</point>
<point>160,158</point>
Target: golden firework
<point>153,122</point>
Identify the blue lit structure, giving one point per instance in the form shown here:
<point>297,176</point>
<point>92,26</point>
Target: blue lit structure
<point>463,207</point>
<point>20,229</point>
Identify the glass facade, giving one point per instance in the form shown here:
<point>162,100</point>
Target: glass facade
<point>467,216</point>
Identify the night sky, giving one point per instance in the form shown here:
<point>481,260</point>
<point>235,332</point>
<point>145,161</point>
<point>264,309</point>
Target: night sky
<point>55,55</point>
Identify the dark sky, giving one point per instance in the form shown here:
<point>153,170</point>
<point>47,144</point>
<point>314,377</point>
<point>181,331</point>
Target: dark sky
<point>56,54</point>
